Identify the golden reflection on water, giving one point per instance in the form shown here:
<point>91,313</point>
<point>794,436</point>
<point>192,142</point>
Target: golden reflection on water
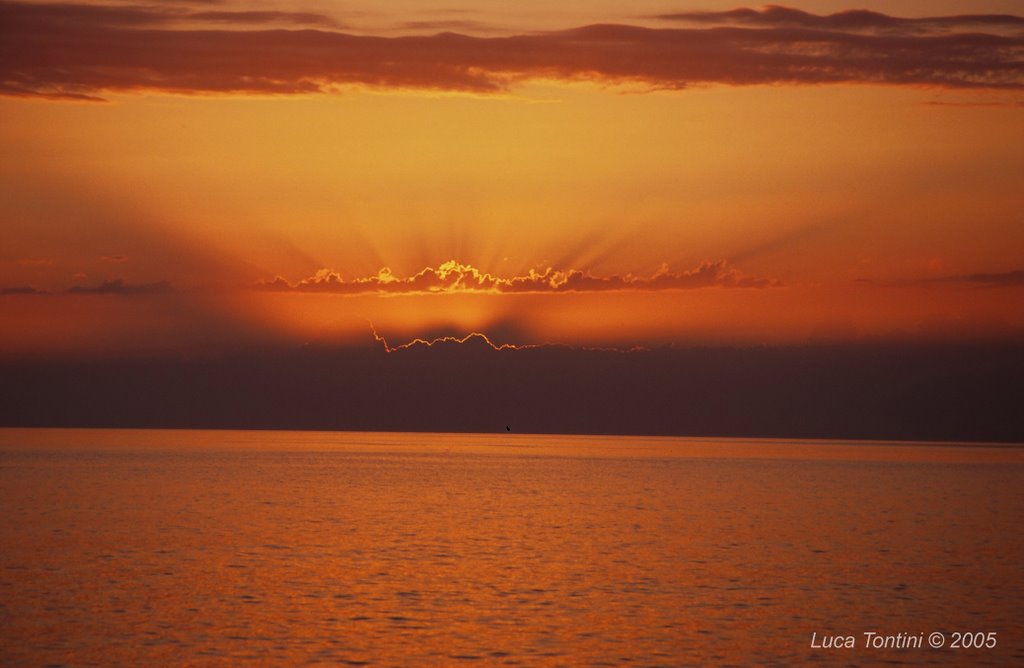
<point>157,547</point>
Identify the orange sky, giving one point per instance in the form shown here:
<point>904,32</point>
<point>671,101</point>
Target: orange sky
<point>756,177</point>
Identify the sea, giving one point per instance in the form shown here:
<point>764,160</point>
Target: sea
<point>162,548</point>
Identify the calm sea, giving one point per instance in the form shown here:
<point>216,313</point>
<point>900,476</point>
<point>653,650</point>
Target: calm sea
<point>205,548</point>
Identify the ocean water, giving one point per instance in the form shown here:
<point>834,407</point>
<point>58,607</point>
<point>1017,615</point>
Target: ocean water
<point>218,548</point>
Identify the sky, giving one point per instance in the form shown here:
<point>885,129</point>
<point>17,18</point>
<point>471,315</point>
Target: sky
<point>197,174</point>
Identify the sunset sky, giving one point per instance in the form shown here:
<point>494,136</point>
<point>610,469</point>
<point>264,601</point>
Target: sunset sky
<point>190,174</point>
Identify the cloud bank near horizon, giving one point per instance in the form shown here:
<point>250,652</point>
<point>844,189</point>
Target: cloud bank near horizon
<point>1002,279</point>
<point>456,277</point>
<point>453,276</point>
<point>83,52</point>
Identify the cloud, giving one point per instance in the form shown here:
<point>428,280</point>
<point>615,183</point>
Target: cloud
<point>21,290</point>
<point>119,287</point>
<point>475,340</point>
<point>903,391</point>
<point>36,262</point>
<point>84,51</point>
<point>444,25</point>
<point>251,17</point>
<point>45,16</point>
<point>483,342</point>
<point>775,16</point>
<point>453,276</point>
<point>1006,279</point>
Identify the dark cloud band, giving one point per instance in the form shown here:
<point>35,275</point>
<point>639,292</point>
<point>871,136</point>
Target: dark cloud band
<point>120,287</point>
<point>774,16</point>
<point>83,52</point>
<point>1005,279</point>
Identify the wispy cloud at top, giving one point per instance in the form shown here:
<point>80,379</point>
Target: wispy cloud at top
<point>85,51</point>
<point>853,20</point>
